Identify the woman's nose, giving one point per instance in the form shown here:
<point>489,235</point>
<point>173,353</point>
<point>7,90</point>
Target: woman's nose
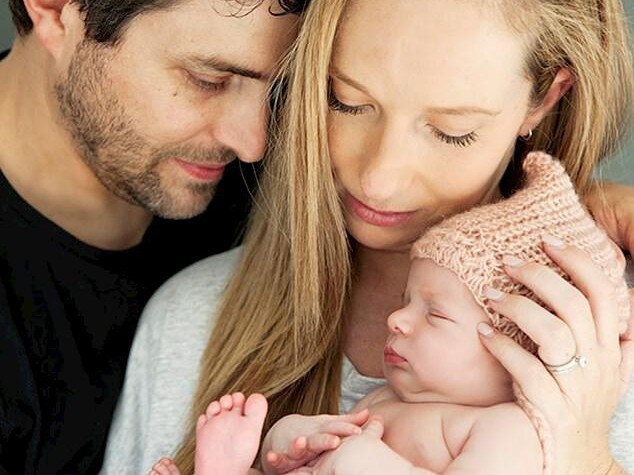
<point>388,167</point>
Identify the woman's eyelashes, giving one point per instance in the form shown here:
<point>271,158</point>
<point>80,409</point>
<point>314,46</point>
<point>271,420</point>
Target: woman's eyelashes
<point>338,106</point>
<point>461,141</point>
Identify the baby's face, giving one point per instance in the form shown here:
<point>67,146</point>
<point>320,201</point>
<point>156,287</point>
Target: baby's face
<point>434,353</point>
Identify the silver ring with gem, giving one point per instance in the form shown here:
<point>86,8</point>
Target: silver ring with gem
<point>580,361</point>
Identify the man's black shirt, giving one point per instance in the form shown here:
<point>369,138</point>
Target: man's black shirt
<point>68,312</point>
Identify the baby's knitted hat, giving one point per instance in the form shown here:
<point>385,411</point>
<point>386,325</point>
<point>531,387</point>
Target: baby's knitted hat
<point>472,244</point>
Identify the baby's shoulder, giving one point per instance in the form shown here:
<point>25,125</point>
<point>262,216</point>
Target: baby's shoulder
<point>463,423</point>
<point>505,414</point>
<point>506,420</point>
<point>474,419</point>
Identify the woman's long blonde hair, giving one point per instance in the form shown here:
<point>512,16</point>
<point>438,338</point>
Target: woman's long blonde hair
<point>279,328</point>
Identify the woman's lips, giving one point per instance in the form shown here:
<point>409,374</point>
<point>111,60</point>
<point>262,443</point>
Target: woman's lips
<point>390,356</point>
<point>202,172</point>
<point>384,219</point>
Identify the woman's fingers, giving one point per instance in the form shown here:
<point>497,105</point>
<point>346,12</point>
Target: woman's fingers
<point>551,334</point>
<point>593,283</point>
<point>525,369</point>
<point>558,294</point>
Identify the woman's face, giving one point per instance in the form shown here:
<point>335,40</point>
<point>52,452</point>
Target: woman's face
<point>428,98</point>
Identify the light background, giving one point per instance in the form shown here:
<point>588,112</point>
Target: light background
<point>619,168</point>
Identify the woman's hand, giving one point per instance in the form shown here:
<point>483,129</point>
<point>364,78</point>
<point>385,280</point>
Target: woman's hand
<point>577,405</point>
<point>612,206</point>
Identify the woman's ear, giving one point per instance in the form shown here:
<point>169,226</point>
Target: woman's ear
<point>55,23</point>
<point>563,82</point>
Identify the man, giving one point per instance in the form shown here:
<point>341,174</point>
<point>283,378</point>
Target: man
<point>112,112</point>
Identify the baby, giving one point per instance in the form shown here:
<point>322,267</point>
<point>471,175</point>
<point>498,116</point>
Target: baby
<point>448,405</point>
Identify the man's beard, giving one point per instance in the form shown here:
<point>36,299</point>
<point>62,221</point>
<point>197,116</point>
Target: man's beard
<point>124,161</point>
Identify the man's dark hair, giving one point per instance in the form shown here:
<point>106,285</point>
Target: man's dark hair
<point>106,19</point>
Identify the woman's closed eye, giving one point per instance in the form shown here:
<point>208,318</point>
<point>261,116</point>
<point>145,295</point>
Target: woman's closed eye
<point>338,106</point>
<point>456,140</point>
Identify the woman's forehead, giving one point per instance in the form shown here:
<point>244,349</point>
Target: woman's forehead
<point>429,45</point>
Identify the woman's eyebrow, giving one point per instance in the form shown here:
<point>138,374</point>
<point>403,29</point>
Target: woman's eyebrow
<point>462,110</point>
<point>335,73</point>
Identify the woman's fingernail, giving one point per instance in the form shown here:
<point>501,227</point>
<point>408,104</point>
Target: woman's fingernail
<point>485,329</point>
<point>493,294</point>
<point>513,261</point>
<point>553,241</point>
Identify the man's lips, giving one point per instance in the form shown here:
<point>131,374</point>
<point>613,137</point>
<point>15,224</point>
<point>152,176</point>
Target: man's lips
<point>376,217</point>
<point>202,172</point>
<point>390,356</point>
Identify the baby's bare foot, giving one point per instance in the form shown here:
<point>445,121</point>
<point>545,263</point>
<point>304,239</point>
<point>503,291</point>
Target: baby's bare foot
<point>228,435</point>
<point>165,466</point>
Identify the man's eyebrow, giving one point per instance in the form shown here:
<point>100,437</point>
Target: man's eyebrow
<point>220,65</point>
<point>348,80</point>
<point>463,110</point>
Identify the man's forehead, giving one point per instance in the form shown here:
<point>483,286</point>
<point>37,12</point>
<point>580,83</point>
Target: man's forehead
<point>197,31</point>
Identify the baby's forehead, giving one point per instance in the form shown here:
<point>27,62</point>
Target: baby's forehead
<point>439,286</point>
<point>428,274</point>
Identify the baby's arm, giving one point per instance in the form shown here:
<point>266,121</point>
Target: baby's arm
<point>500,442</point>
<point>296,440</point>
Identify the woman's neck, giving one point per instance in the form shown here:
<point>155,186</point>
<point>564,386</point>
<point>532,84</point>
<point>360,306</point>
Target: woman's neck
<point>383,271</point>
<point>377,289</point>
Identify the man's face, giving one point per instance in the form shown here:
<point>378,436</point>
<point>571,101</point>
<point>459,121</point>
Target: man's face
<point>157,117</point>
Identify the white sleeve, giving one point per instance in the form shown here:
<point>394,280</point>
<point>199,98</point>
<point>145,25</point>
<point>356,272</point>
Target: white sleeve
<point>128,437</point>
<point>153,411</point>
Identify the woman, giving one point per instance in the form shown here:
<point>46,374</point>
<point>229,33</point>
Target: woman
<point>433,103</point>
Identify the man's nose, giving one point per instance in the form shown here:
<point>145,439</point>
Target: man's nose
<point>244,130</point>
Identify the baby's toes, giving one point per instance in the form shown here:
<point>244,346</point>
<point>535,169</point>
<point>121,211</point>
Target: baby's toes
<point>160,468</point>
<point>171,466</point>
<point>202,420</point>
<point>213,409</point>
<point>256,407</point>
<point>238,401</point>
<point>226,402</point>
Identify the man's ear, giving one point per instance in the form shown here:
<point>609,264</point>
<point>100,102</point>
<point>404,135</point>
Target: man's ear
<point>563,82</point>
<point>54,21</point>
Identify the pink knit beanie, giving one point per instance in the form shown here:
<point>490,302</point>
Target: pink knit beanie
<point>473,243</point>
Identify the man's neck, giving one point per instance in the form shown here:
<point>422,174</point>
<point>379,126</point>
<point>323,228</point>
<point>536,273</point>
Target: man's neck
<point>39,160</point>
